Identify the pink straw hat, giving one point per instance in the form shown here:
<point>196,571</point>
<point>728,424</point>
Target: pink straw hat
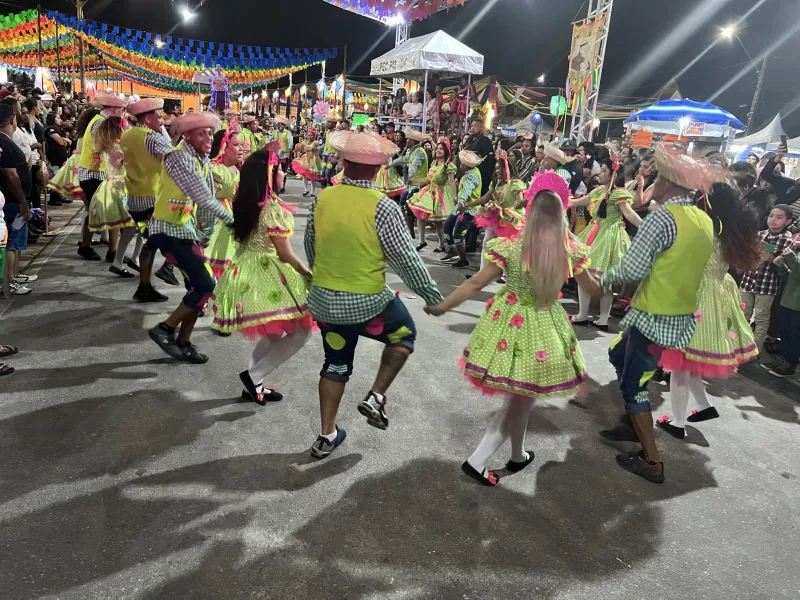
<point>363,148</point>
<point>107,100</point>
<point>191,121</point>
<point>145,105</point>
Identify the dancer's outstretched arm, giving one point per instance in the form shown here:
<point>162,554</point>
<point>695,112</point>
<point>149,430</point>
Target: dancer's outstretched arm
<point>491,272</point>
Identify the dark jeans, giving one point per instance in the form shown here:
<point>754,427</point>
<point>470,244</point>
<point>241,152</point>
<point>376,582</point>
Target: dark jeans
<point>455,228</point>
<point>790,335</point>
<point>636,359</point>
<point>190,259</point>
<point>393,327</point>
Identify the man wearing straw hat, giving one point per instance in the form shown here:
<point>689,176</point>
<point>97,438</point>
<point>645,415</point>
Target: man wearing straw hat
<point>250,131</point>
<point>415,167</point>
<point>326,151</point>
<point>353,232</point>
<point>459,221</point>
<point>143,149</point>
<point>283,136</point>
<point>555,159</point>
<point>92,167</point>
<point>185,213</point>
<point>668,257</point>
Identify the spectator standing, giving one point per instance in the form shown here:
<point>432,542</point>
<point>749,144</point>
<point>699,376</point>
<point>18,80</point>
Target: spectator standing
<point>785,365</point>
<point>57,152</point>
<point>481,145</point>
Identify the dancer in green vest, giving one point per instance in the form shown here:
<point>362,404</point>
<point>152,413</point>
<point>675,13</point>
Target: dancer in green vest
<point>283,136</point>
<point>668,256</point>
<point>143,149</point>
<point>185,213</point>
<point>469,191</point>
<point>353,232</point>
<point>415,168</point>
<point>250,131</point>
<point>92,167</point>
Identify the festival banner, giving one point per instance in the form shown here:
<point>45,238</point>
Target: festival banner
<point>584,60</point>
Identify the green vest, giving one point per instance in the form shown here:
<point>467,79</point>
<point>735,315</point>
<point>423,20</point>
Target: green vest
<point>142,169</point>
<point>422,171</point>
<point>349,256</point>
<point>671,288</point>
<point>88,158</point>
<point>172,205</point>
<point>476,193</point>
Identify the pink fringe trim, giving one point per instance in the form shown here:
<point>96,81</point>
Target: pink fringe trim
<point>593,233</point>
<point>577,387</point>
<point>419,213</point>
<point>305,172</point>
<point>676,361</point>
<point>276,328</point>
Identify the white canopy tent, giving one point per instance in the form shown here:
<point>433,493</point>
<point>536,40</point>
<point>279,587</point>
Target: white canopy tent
<point>771,134</point>
<point>437,52</point>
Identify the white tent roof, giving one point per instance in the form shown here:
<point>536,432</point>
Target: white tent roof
<point>204,77</point>
<point>771,134</point>
<point>433,52</point>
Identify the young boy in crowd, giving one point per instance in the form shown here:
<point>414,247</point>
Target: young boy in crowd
<point>759,287</point>
<point>785,365</point>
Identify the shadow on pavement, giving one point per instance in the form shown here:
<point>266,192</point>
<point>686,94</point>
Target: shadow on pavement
<point>97,436</point>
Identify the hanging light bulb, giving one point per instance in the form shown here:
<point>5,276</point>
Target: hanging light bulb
<point>303,90</point>
<point>275,94</point>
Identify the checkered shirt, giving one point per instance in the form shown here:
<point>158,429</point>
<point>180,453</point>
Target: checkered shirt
<point>656,235</point>
<point>345,308</point>
<point>181,166</point>
<point>765,280</point>
<point>467,185</point>
<point>158,146</point>
<point>87,174</point>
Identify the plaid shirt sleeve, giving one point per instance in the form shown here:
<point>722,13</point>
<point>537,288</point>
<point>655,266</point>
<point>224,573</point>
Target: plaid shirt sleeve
<point>400,252</point>
<point>416,161</point>
<point>308,237</point>
<point>181,168</point>
<point>468,184</point>
<point>657,234</point>
<point>157,145</point>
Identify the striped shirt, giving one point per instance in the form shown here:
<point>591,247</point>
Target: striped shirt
<point>181,166</point>
<point>346,308</point>
<point>656,235</point>
<point>157,146</point>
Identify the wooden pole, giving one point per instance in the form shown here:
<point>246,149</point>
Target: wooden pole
<point>79,6</point>
<point>58,55</point>
<point>344,86</point>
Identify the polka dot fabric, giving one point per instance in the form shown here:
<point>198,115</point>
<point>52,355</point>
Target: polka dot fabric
<point>519,348</point>
<point>610,240</point>
<point>258,295</point>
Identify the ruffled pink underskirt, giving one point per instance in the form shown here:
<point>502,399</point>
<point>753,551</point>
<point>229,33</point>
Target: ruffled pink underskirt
<point>305,172</point>
<point>419,213</point>
<point>395,193</point>
<point>492,220</point>
<point>278,328</point>
<point>675,361</point>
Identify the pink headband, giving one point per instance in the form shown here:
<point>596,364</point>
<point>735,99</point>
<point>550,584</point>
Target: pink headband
<point>233,127</point>
<point>552,182</point>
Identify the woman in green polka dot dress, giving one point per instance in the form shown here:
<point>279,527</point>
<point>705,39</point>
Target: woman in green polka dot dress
<point>605,235</point>
<point>524,346</point>
<point>263,293</point>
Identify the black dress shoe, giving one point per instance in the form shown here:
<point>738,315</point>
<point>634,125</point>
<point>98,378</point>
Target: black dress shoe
<point>581,323</point>
<point>704,415</point>
<point>598,326</point>
<point>187,352</point>
<point>486,478</point>
<point>124,273</point>
<point>128,262</point>
<point>250,391</point>
<point>516,467</point>
<point>88,253</point>
<point>676,432</point>
<point>110,256</point>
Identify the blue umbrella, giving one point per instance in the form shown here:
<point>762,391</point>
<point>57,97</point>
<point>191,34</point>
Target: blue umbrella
<point>696,112</point>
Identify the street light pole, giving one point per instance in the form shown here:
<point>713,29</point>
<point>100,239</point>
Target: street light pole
<point>79,4</point>
<point>757,93</point>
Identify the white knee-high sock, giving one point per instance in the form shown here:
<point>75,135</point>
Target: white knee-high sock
<point>698,389</point>
<point>440,234</point>
<point>584,303</point>
<point>679,397</point>
<point>605,308</point>
<point>306,184</point>
<point>421,230</point>
<point>494,437</point>
<point>271,353</point>
<point>137,249</point>
<point>517,425</point>
<point>125,237</point>
<point>313,185</point>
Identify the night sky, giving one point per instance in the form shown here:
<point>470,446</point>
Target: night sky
<point>521,39</point>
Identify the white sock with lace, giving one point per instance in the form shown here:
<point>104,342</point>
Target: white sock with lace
<point>605,308</point>
<point>584,303</point>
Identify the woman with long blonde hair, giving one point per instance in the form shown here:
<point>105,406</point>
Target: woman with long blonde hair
<point>523,346</point>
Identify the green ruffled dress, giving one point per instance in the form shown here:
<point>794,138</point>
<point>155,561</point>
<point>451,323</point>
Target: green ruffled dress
<point>517,348</point>
<point>222,246</point>
<point>435,201</point>
<point>258,295</point>
<point>500,212</point>
<point>606,237</point>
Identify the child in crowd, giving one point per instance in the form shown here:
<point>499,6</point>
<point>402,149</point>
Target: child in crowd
<point>523,346</point>
<point>759,287</point>
<point>785,365</point>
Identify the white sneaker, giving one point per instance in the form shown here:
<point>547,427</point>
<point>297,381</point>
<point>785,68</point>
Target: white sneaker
<point>22,278</point>
<point>17,289</point>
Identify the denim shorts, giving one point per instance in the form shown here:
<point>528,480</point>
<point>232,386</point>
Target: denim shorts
<point>393,327</point>
<point>17,238</point>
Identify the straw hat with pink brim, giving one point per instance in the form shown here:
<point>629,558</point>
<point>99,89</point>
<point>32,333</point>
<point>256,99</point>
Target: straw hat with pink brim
<point>146,105</point>
<point>247,119</point>
<point>417,136</point>
<point>362,148</point>
<point>109,100</point>
<point>191,121</point>
<point>469,159</point>
<point>281,121</point>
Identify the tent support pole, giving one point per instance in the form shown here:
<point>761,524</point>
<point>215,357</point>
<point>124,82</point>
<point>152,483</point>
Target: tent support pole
<point>380,97</point>
<point>425,104</point>
<point>466,117</point>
